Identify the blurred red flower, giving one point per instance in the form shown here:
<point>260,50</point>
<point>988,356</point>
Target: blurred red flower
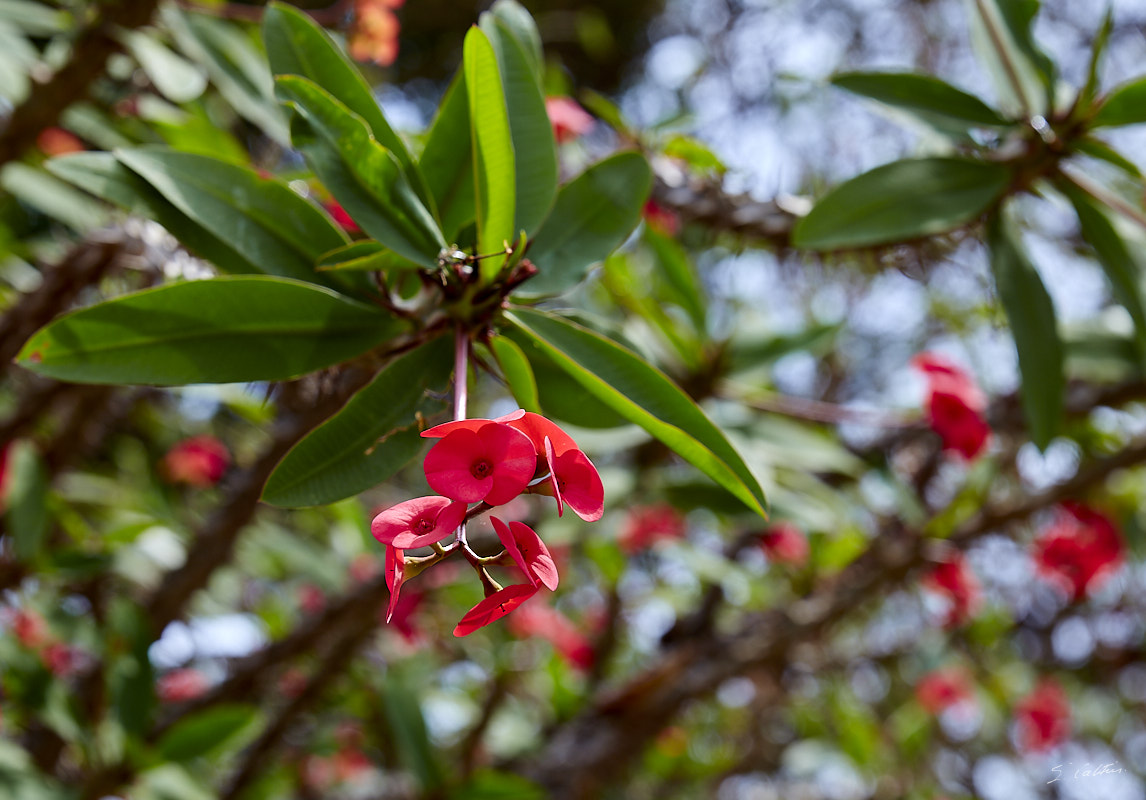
<point>1079,551</point>
<point>374,32</point>
<point>550,624</point>
<point>568,119</point>
<point>30,629</point>
<point>61,659</point>
<point>954,580</point>
<point>339,215</point>
<point>663,220</point>
<point>180,685</point>
<point>58,142</point>
<point>940,689</point>
<point>199,461</point>
<point>955,406</point>
<point>311,599</point>
<point>784,543</point>
<point>1042,718</point>
<point>647,524</point>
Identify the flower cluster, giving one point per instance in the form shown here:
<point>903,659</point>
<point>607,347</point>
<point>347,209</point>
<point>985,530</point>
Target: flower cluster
<point>954,581</point>
<point>955,406</point>
<point>784,543</point>
<point>1079,550</point>
<point>1042,718</point>
<point>942,689</point>
<point>489,462</point>
<point>31,631</point>
<point>199,461</point>
<point>374,33</point>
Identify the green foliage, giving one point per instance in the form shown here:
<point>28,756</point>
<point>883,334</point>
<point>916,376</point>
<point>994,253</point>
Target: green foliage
<point>929,98</point>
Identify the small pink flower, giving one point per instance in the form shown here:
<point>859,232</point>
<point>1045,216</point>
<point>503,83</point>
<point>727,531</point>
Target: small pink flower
<point>550,624</point>
<point>199,461</point>
<point>338,213</point>
<point>395,575</point>
<point>1079,551</point>
<point>574,482</point>
<point>180,685</point>
<point>61,659</point>
<point>493,463</point>
<point>940,689</point>
<point>784,543</point>
<point>568,119</point>
<point>494,607</point>
<point>528,552</point>
<point>1042,718</point>
<point>418,522</point>
<point>955,580</point>
<point>646,524</point>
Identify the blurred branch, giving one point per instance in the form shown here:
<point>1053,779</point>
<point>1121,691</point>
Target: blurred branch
<point>705,202</point>
<point>329,17</point>
<point>69,84</point>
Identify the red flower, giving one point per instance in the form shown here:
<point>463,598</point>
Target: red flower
<point>954,406</point>
<point>646,524</point>
<point>1042,718</point>
<point>528,552</point>
<point>493,463</point>
<point>663,220</point>
<point>363,567</point>
<point>418,522</point>
<point>784,543</point>
<point>180,685</point>
<point>550,624</point>
<point>311,599</point>
<point>374,36</point>
<point>568,119</point>
<point>574,482</point>
<point>958,583</point>
<point>1079,551</point>
<point>58,142</point>
<point>198,461</point>
<point>403,616</point>
<point>942,688</point>
<point>30,629</point>
<point>338,213</point>
<point>395,574</point>
<point>494,607</point>
<point>61,659</point>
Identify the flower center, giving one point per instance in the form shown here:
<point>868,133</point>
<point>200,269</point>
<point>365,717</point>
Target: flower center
<point>481,469</point>
<point>425,525</point>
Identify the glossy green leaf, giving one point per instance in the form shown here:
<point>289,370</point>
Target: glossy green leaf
<point>1114,255</point>
<point>373,436</point>
<point>366,255</point>
<point>593,215</point>
<point>644,396</point>
<point>362,175</point>
<point>518,374</point>
<point>517,20</point>
<point>534,148</point>
<point>559,395</point>
<point>447,160</point>
<point>1125,105</point>
<point>205,731</point>
<point>699,157</point>
<point>104,176</point>
<point>494,176</point>
<point>297,45</point>
<point>176,78</point>
<point>927,97</point>
<point>1032,318</point>
<point>268,224</point>
<point>25,488</point>
<point>222,330</point>
<point>900,201</point>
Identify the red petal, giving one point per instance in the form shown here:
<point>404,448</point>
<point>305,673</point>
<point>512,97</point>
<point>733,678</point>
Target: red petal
<point>494,607</point>
<point>438,431</point>
<point>396,525</point>
<point>448,466</point>
<point>530,553</point>
<point>583,491</point>
<point>551,459</point>
<point>395,573</point>
<point>513,459</point>
<point>537,427</point>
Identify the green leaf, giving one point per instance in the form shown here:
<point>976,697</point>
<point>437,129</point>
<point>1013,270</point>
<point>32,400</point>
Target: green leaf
<point>366,255</point>
<point>176,78</point>
<point>35,187</point>
<point>26,498</point>
<point>371,438</point>
<point>1114,256</point>
<point>205,731</point>
<point>1089,89</point>
<point>490,785</point>
<point>236,68</point>
<point>900,201</point>
<point>1032,318</point>
<point>593,215</point>
<point>362,175</point>
<point>267,223</point>
<point>534,148</point>
<point>1125,105</point>
<point>33,18</point>
<point>1024,75</point>
<point>559,395</point>
<point>105,177</point>
<point>494,176</point>
<point>1104,152</point>
<point>683,287</point>
<point>408,730</point>
<point>644,396</point>
<point>696,154</point>
<point>222,330</point>
<point>930,99</point>
<point>518,374</point>
<point>517,20</point>
<point>447,160</point>
<point>297,45</point>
